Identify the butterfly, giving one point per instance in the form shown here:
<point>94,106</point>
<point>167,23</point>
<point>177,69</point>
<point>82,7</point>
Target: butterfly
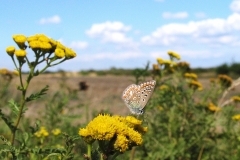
<point>137,96</point>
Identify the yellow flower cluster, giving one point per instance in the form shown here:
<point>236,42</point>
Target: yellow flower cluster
<point>236,98</point>
<point>125,132</point>
<point>39,42</point>
<point>236,117</point>
<point>213,108</point>
<point>163,87</point>
<point>191,76</point>
<point>8,75</point>
<point>174,55</point>
<point>56,131</point>
<point>195,85</point>
<point>225,80</point>
<point>183,64</point>
<point>41,133</point>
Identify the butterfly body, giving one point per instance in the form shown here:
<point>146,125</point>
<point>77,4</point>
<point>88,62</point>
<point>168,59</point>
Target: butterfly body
<point>137,96</point>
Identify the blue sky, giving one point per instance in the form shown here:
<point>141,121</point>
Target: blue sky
<point>128,33</point>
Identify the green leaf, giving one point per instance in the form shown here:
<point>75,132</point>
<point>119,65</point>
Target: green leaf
<point>14,107</point>
<point>20,88</point>
<point>7,121</point>
<point>51,155</point>
<point>37,95</point>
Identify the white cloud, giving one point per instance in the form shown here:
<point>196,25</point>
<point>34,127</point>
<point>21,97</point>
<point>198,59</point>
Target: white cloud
<point>79,45</point>
<point>178,15</point>
<point>112,32</point>
<point>217,30</point>
<point>54,19</point>
<point>200,15</point>
<point>235,6</point>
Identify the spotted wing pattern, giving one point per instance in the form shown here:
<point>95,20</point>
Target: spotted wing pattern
<point>137,96</point>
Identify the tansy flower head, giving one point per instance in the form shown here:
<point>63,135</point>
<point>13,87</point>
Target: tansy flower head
<point>69,53</point>
<point>236,117</point>
<point>59,53</point>
<point>225,80</point>
<point>236,98</point>
<point>213,108</point>
<point>43,38</point>
<point>45,46</point>
<point>20,53</point>
<point>4,71</point>
<point>15,72</point>
<point>195,85</point>
<point>164,87</point>
<point>124,132</point>
<point>10,50</point>
<point>34,44</point>
<point>160,61</point>
<point>174,55</point>
<point>191,76</point>
<point>41,133</point>
<point>56,131</point>
<point>20,39</point>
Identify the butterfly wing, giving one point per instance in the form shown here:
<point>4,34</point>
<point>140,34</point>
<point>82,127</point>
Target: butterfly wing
<point>137,96</point>
<point>146,89</point>
<point>132,96</point>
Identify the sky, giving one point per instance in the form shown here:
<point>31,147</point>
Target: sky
<point>127,33</point>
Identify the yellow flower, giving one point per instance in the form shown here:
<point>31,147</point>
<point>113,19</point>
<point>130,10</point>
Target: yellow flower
<point>236,98</point>
<point>15,72</point>
<point>133,120</point>
<point>4,71</point>
<point>20,53</point>
<point>164,87</point>
<point>59,45</point>
<point>59,53</point>
<point>183,64</point>
<point>45,46</point>
<point>53,42</point>
<point>69,53</point>
<point>19,38</point>
<point>34,44</point>
<point>121,143</point>
<point>43,38</point>
<point>10,50</point>
<point>160,61</point>
<point>195,85</point>
<point>191,75</point>
<point>225,80</point>
<point>236,117</point>
<point>174,55</point>
<point>56,131</point>
<point>123,131</point>
<point>32,38</point>
<point>213,108</point>
<point>41,133</point>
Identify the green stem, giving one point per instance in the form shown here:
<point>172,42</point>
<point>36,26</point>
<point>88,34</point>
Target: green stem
<point>89,148</point>
<point>115,155</point>
<point>23,99</point>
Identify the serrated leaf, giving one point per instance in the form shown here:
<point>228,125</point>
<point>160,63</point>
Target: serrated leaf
<point>14,107</point>
<point>37,95</point>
